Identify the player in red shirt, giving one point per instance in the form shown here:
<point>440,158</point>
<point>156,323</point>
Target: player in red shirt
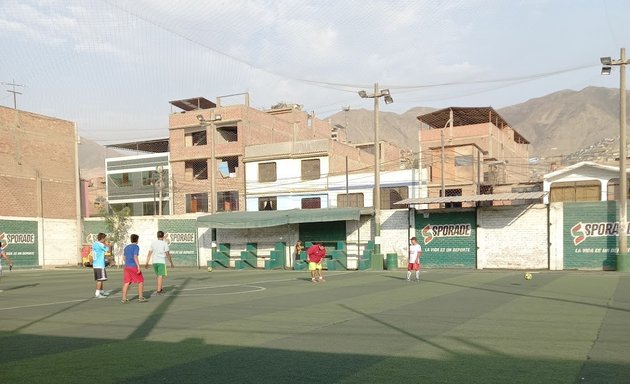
<point>316,253</point>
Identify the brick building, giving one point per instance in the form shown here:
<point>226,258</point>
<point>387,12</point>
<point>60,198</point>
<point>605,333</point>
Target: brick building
<point>39,172</point>
<point>472,151</point>
<point>199,123</point>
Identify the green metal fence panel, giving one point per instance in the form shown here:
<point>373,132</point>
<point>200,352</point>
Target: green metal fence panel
<point>590,235</point>
<point>20,239</point>
<point>181,236</point>
<point>448,239</point>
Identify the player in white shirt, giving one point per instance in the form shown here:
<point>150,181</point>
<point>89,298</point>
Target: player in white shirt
<point>415,251</point>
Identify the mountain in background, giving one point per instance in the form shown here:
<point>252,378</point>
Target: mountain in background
<point>558,125</point>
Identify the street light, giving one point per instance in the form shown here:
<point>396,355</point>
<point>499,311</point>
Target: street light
<point>206,123</point>
<point>384,93</point>
<point>623,259</point>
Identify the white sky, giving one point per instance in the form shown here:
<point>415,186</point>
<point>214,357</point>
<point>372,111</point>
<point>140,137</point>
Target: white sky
<point>112,65</point>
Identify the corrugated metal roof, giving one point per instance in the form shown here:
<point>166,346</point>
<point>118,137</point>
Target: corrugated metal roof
<point>475,198</point>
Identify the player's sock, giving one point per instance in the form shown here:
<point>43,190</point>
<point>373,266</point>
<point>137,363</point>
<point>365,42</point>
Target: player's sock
<point>97,293</point>
<point>418,275</point>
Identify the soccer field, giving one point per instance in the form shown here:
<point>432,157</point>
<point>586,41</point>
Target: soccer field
<point>454,326</point>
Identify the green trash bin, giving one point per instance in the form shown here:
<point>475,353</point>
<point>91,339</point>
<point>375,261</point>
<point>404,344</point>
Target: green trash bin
<point>392,261</point>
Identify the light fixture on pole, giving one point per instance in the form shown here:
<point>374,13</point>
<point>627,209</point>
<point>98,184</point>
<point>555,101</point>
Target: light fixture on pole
<point>623,259</point>
<point>385,94</point>
<point>206,123</point>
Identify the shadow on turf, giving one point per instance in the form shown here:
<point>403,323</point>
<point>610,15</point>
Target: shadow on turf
<point>403,278</point>
<point>50,359</point>
<point>22,286</point>
<point>145,328</point>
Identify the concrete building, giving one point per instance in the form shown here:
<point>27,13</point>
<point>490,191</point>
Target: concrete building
<point>314,174</point>
<point>207,146</point>
<point>472,151</point>
<point>140,183</point>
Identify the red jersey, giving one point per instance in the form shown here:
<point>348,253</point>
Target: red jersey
<point>315,253</point>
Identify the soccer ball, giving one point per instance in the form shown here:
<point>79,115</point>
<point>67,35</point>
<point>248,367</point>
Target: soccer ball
<point>209,269</point>
<point>528,276</point>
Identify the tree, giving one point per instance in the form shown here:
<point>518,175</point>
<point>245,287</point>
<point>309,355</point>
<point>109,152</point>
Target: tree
<point>118,224</point>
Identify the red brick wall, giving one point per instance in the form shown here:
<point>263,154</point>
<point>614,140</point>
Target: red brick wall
<point>37,153</point>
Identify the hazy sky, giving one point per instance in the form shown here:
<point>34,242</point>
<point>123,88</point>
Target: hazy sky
<point>112,66</point>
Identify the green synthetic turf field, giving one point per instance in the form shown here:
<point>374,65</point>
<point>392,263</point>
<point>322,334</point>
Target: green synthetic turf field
<point>455,326</point>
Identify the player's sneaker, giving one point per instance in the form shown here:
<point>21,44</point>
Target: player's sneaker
<point>103,293</point>
<point>125,301</point>
<point>142,300</point>
<point>99,296</point>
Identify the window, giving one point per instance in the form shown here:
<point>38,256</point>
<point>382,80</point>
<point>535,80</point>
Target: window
<point>121,206</point>
<point>227,134</point>
<point>149,208</point>
<point>267,203</point>
<point>350,200</point>
<point>267,172</point>
<point>392,195</point>
<point>196,170</point>
<point>463,161</point>
<point>193,139</point>
<point>228,166</point>
<point>197,202</point>
<point>311,203</point>
<point>575,191</point>
<point>452,192</point>
<point>120,179</point>
<point>227,201</point>
<point>149,177</point>
<point>310,169</point>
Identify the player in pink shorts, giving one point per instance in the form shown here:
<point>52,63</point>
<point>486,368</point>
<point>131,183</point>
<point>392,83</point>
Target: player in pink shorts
<point>132,272</point>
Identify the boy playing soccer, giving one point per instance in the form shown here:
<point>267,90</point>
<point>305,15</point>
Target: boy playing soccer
<point>132,272</point>
<point>415,251</point>
<point>100,275</point>
<point>159,250</point>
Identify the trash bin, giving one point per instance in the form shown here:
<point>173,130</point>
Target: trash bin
<point>392,261</point>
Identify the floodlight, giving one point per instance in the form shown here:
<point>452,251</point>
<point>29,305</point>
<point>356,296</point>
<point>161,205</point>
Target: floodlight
<point>363,94</point>
<point>606,70</point>
<point>605,60</point>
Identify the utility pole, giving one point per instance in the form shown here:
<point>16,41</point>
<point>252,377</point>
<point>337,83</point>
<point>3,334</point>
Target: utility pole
<point>385,94</point>
<point>14,92</point>
<point>623,258</point>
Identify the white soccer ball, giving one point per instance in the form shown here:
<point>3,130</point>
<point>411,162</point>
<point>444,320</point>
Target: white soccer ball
<point>528,276</point>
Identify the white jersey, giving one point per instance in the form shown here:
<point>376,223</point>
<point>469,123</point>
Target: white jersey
<point>158,251</point>
<point>414,253</point>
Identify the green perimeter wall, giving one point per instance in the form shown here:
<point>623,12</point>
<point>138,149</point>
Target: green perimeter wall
<point>20,242</point>
<point>590,235</point>
<point>181,237</point>
<point>448,240</point>
<point>93,228</point>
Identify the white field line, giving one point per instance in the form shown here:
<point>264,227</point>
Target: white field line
<point>256,289</point>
